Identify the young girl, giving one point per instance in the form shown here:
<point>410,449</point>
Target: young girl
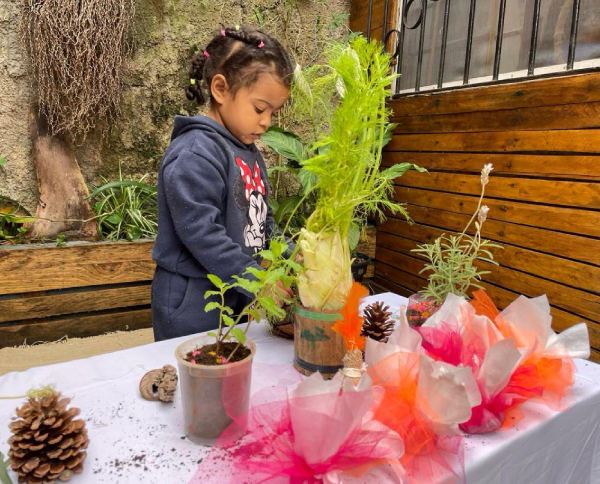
<point>213,211</point>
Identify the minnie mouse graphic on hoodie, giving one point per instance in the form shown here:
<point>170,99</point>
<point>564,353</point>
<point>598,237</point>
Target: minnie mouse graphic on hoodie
<point>213,216</point>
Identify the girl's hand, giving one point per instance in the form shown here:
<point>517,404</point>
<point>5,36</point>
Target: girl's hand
<point>280,293</point>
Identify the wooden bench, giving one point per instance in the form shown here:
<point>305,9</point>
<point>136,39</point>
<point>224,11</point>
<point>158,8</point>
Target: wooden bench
<point>83,289</point>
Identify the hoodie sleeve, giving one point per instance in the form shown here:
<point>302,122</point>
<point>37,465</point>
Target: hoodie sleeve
<point>194,188</point>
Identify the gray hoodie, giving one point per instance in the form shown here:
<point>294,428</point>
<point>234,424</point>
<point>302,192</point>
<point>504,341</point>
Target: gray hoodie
<point>213,211</point>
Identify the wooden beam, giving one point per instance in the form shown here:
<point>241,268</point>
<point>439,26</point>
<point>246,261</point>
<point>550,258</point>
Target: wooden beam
<point>77,265</point>
<point>73,327</point>
<point>579,88</point>
<point>563,141</point>
<point>549,192</point>
<point>359,15</point>
<point>560,219</point>
<point>564,116</point>
<point>566,167</point>
<point>82,301</point>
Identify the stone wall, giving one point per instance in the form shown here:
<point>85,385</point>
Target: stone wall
<point>166,35</point>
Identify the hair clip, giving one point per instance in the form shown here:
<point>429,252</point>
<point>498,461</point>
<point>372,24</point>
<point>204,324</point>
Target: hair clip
<point>237,27</point>
<point>192,81</point>
<point>206,54</point>
<point>223,33</point>
<point>261,45</point>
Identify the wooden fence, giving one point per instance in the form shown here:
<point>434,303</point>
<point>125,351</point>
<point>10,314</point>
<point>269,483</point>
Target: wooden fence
<point>544,193</point>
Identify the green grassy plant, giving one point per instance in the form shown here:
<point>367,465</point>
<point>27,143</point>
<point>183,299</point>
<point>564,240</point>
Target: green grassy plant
<point>126,209</point>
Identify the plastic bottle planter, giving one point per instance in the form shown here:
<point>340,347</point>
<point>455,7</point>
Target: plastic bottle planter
<point>213,396</point>
<point>420,309</point>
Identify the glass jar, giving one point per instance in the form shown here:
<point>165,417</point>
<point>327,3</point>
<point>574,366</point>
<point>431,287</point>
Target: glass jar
<point>420,309</point>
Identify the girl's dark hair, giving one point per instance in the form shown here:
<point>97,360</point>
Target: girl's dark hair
<point>241,55</point>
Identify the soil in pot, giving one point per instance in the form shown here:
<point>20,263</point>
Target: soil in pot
<point>207,355</point>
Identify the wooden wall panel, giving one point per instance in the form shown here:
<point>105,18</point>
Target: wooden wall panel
<point>543,138</point>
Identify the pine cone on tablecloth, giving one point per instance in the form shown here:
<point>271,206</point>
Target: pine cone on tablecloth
<point>377,323</point>
<point>47,444</point>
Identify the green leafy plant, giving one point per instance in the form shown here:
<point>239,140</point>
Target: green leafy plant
<point>60,240</point>
<point>294,207</point>
<point>126,209</point>
<point>12,218</point>
<point>346,100</point>
<point>258,16</point>
<point>262,285</point>
<point>338,19</point>
<point>452,258</point>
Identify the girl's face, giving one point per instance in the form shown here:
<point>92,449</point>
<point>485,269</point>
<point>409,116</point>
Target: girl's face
<point>248,113</point>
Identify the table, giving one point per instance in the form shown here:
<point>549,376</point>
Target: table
<point>133,440</point>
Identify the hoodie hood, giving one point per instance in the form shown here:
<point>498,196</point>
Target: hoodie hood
<point>184,124</point>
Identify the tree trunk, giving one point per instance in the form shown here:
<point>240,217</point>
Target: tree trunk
<point>62,206</point>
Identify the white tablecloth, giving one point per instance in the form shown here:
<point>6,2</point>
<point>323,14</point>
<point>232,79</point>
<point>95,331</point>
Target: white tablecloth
<point>133,440</point>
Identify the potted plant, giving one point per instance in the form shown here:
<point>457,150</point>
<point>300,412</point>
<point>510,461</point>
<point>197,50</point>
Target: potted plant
<point>360,262</point>
<point>215,369</point>
<point>349,186</point>
<point>451,260</point>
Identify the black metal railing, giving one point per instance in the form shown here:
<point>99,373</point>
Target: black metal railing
<point>420,23</point>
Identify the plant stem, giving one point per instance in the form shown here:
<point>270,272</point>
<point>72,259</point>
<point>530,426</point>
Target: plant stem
<point>474,214</point>
<point>244,311</point>
<point>239,344</point>
<point>219,338</point>
<point>236,323</point>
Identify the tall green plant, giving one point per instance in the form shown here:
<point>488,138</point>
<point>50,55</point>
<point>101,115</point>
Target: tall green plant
<point>293,209</point>
<point>346,163</point>
<point>126,209</point>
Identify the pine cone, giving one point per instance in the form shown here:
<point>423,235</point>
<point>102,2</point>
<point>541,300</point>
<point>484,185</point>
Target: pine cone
<point>47,444</point>
<point>376,322</point>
